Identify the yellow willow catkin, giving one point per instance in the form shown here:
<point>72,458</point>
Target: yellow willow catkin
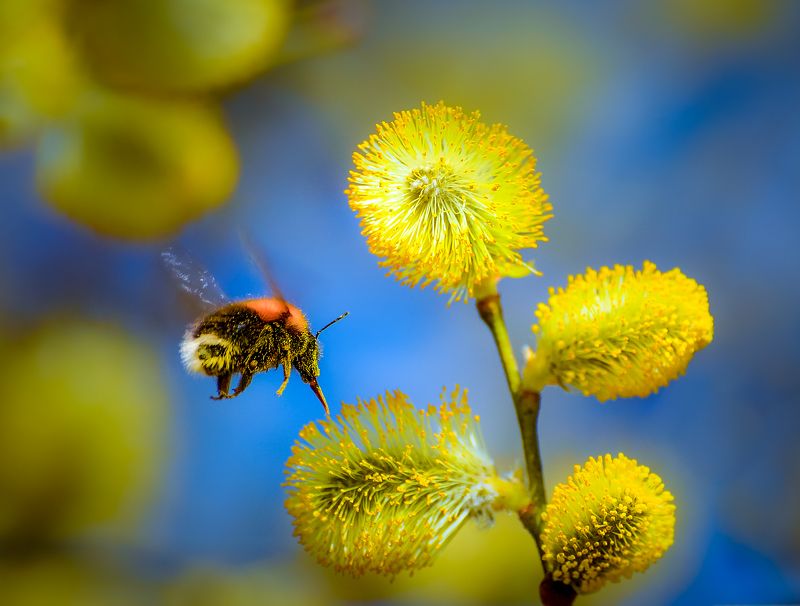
<point>385,486</point>
<point>610,519</point>
<point>444,198</point>
<point>618,332</point>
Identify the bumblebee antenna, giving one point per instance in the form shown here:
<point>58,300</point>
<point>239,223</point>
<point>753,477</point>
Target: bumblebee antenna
<point>331,323</point>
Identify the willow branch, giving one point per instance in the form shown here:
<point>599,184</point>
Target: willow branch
<point>492,313</point>
<point>526,404</point>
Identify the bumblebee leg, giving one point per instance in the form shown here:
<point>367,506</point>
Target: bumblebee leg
<point>244,381</point>
<point>223,385</point>
<point>287,369</point>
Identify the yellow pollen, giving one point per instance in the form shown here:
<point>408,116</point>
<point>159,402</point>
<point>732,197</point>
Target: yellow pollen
<point>446,199</point>
<point>610,519</point>
<point>406,482</point>
<point>618,332</point>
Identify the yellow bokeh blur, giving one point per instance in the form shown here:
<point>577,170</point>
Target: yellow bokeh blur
<point>496,565</point>
<point>59,580</point>
<point>39,80</point>
<point>178,45</point>
<point>712,21</point>
<point>264,584</point>
<point>137,167</point>
<point>17,17</point>
<point>82,424</point>
<point>537,73</point>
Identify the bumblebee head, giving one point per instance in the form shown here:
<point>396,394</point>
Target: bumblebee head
<point>307,364</point>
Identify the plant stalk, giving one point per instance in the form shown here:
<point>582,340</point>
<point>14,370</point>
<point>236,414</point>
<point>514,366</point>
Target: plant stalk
<point>492,313</point>
<point>527,403</point>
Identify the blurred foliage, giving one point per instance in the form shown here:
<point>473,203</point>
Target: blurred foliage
<point>59,580</point>
<point>262,585</point>
<point>136,167</point>
<point>81,428</point>
<point>480,567</point>
<point>710,21</point>
<point>178,45</point>
<point>129,164</point>
<point>496,565</point>
<point>524,65</point>
<point>39,79</point>
<point>17,17</point>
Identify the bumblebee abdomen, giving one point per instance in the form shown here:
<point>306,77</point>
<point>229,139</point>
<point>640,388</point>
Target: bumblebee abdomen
<point>208,353</point>
<point>216,344</point>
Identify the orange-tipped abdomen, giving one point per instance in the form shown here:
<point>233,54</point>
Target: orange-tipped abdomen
<point>270,309</point>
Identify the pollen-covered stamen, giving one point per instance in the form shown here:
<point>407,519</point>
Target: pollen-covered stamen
<point>610,519</point>
<point>385,486</point>
<point>429,185</point>
<point>444,198</point>
<point>618,332</point>
<point>439,214</point>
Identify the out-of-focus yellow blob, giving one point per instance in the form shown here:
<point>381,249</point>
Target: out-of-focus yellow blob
<point>264,584</point>
<point>178,45</point>
<point>537,70</point>
<point>17,17</point>
<point>81,428</point>
<point>137,168</point>
<point>716,20</point>
<point>39,81</point>
<point>62,581</point>
<point>481,566</point>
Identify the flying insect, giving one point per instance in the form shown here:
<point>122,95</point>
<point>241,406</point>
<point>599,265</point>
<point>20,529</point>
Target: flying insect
<point>244,337</point>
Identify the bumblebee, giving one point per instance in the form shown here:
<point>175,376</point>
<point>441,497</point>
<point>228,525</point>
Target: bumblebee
<point>245,337</point>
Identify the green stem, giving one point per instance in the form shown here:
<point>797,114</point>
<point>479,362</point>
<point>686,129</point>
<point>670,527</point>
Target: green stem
<point>526,403</point>
<point>492,313</point>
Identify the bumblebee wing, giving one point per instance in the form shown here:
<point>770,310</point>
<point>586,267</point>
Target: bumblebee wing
<point>193,278</point>
<point>258,260</point>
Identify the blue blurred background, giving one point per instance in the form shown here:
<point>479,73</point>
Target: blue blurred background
<point>666,131</point>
